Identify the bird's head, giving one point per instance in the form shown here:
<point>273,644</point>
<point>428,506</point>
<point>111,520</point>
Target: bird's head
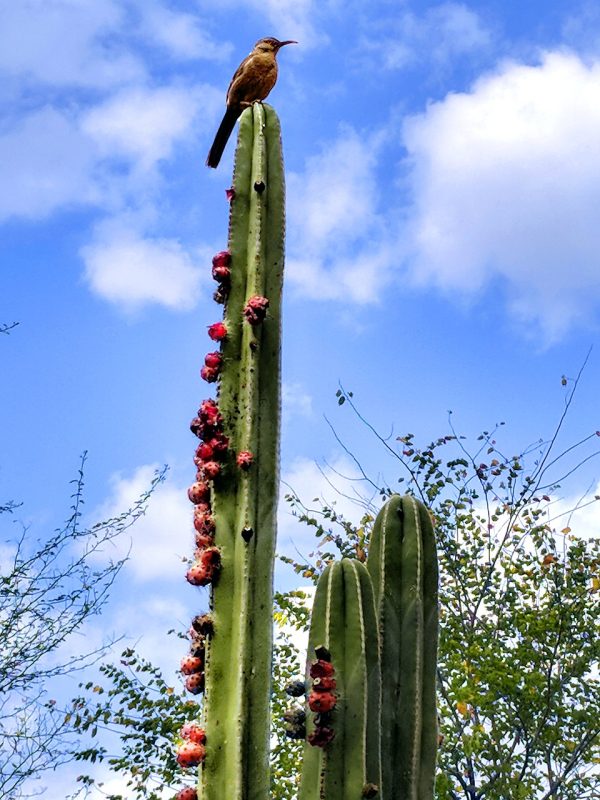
<point>271,45</point>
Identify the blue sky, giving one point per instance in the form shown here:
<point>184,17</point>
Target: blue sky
<point>443,251</point>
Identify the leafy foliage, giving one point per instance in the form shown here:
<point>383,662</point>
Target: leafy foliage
<point>519,649</point>
<point>48,589</point>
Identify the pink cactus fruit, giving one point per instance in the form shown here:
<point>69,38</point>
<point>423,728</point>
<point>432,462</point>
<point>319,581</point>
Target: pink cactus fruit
<point>204,452</point>
<point>193,732</point>
<point>203,570</point>
<point>209,374</point>
<point>209,413</point>
<point>202,542</point>
<point>187,794</point>
<point>244,459</point>
<point>190,665</point>
<point>255,309</point>
<point>195,683</point>
<point>190,754</point>
<point>211,469</point>
<point>204,522</point>
<point>217,331</point>
<point>222,259</point>
<point>213,360</point>
<point>199,493</point>
<point>219,444</point>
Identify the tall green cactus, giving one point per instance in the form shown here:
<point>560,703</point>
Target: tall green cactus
<point>341,760</point>
<point>238,524</point>
<point>402,563</point>
<point>402,575</point>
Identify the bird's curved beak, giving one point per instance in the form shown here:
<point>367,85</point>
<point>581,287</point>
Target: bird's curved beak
<point>287,41</point>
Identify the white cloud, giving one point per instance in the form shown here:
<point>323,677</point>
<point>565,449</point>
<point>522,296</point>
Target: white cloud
<point>337,248</point>
<point>505,184</point>
<point>180,33</point>
<point>338,483</point>
<point>125,268</point>
<point>66,42</point>
<point>46,165</point>
<point>290,19</point>
<point>142,123</point>
<point>439,35</point>
<point>162,537</point>
<point>295,400</point>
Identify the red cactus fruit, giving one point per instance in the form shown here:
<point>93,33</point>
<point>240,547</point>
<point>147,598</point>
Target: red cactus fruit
<point>321,737</point>
<point>211,557</point>
<point>211,469</point>
<point>190,754</point>
<point>217,331</point>
<point>196,427</point>
<point>198,645</point>
<point>197,493</point>
<point>219,444</point>
<point>202,490</point>
<point>221,274</point>
<point>203,570</point>
<point>195,683</point>
<point>199,575</point>
<point>255,309</point>
<point>321,669</point>
<point>193,732</point>
<point>209,413</point>
<point>324,684</point>
<point>213,360</point>
<point>187,794</point>
<point>204,522</point>
<point>321,701</point>
<point>190,665</point>
<point>204,452</point>
<point>203,624</point>
<point>222,259</point>
<point>202,542</point>
<point>209,374</point>
<point>230,194</point>
<point>244,459</point>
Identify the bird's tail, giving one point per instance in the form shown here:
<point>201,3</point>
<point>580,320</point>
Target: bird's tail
<point>225,128</point>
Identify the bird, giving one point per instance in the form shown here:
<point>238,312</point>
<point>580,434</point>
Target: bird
<point>251,82</point>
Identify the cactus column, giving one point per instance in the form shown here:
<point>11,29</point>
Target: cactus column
<point>341,757</point>
<point>402,563</point>
<point>244,490</point>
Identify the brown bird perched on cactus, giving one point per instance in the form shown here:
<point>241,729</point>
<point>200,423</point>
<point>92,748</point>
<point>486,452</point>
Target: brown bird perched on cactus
<point>252,82</point>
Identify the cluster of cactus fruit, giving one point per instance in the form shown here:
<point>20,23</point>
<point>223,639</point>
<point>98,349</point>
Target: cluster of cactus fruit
<point>368,717</point>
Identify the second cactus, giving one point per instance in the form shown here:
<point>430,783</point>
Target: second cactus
<point>380,740</point>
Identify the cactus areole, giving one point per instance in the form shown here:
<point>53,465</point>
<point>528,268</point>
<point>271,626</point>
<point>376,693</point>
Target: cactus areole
<point>243,501</point>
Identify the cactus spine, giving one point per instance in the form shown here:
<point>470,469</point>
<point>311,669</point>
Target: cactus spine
<point>244,489</point>
<point>402,563</point>
<point>345,625</point>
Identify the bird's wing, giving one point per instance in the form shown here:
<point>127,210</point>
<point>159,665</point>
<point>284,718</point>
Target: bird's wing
<point>235,81</point>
